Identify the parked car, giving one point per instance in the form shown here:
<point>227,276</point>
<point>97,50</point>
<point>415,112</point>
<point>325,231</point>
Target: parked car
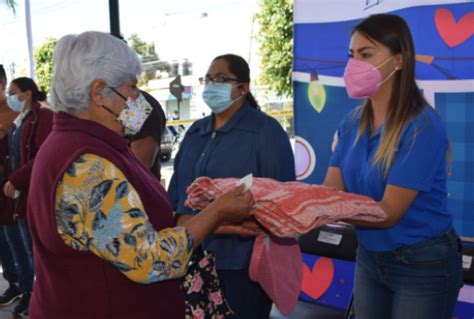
<point>166,145</point>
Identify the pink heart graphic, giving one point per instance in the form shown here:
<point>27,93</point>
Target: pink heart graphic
<point>453,33</point>
<point>317,281</point>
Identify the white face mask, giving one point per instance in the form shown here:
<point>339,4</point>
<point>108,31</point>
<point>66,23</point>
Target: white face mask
<point>133,115</point>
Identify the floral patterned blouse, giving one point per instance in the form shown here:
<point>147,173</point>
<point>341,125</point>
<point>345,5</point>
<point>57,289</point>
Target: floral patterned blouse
<point>98,210</point>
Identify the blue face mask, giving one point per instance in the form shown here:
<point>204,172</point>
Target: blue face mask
<point>218,96</point>
<point>14,103</point>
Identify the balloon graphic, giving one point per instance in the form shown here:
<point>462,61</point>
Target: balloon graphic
<point>317,95</point>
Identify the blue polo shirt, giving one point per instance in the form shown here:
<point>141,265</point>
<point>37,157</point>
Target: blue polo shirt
<point>250,142</point>
<point>420,164</point>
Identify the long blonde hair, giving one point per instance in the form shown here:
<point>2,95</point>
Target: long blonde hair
<point>406,100</point>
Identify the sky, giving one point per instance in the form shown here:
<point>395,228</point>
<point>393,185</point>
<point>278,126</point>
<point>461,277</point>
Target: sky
<point>180,29</point>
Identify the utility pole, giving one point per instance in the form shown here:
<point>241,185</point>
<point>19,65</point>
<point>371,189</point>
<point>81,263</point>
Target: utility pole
<point>29,35</point>
<point>114,16</point>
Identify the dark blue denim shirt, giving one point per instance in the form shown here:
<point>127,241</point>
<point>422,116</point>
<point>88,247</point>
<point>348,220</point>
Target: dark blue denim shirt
<point>250,142</point>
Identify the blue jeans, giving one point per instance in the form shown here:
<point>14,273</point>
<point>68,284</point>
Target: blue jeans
<point>18,236</point>
<point>10,271</point>
<point>421,281</point>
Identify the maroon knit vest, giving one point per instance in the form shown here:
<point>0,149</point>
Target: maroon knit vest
<point>72,284</point>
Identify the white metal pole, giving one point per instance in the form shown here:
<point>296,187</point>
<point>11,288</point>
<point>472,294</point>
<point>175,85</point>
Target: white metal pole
<point>29,35</point>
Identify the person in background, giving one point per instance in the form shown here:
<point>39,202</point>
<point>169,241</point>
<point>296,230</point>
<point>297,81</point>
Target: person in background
<point>232,142</point>
<point>102,226</point>
<point>146,143</point>
<point>175,115</point>
<point>9,267</point>
<point>178,129</point>
<point>7,115</point>
<point>29,131</point>
<point>408,266</point>
<point>172,128</point>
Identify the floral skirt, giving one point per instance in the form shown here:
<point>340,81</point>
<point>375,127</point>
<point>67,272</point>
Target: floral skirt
<point>201,288</point>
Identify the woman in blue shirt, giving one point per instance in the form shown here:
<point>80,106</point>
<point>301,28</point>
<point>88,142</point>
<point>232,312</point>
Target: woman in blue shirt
<point>235,140</point>
<point>394,149</point>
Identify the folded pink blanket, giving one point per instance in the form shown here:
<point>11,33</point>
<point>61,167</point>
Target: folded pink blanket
<point>290,209</point>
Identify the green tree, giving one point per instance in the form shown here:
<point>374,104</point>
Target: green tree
<point>275,19</point>
<point>146,50</point>
<point>151,60</point>
<point>11,4</point>
<point>44,63</point>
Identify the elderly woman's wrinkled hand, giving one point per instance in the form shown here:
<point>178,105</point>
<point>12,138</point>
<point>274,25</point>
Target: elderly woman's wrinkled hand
<point>234,206</point>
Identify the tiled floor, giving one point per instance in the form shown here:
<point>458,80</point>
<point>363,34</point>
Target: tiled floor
<point>303,310</point>
<point>6,312</point>
<point>306,310</point>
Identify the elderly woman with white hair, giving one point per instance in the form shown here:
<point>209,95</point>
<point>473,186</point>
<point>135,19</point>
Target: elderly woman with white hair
<point>102,226</point>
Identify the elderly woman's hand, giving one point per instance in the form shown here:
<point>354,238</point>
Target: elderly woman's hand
<point>234,206</point>
<point>9,189</point>
<point>231,208</point>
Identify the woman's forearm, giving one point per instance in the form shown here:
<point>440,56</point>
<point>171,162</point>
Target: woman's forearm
<point>201,225</point>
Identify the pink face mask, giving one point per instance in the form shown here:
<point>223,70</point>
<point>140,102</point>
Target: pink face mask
<point>362,79</point>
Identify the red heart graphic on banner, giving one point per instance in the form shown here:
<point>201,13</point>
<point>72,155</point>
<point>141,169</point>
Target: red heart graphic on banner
<point>317,281</point>
<point>453,33</point>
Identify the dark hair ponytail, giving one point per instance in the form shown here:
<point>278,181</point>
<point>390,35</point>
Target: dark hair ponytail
<point>27,84</point>
<point>252,101</point>
<point>240,68</point>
